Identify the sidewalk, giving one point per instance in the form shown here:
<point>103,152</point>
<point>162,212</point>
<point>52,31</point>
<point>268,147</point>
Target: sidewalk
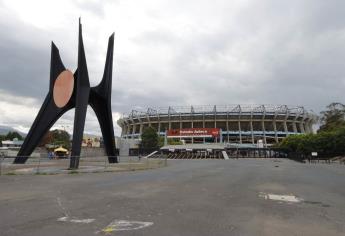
<point>45,166</point>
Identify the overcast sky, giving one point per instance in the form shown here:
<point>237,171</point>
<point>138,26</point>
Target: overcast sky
<point>175,53</point>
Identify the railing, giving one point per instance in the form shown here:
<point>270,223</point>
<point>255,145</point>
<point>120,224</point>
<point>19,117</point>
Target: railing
<point>87,164</point>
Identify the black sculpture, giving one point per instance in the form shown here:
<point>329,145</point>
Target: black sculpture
<point>67,91</point>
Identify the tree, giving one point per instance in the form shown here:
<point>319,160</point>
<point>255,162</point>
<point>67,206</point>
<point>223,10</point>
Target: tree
<point>47,139</point>
<point>170,141</point>
<point>11,135</point>
<point>333,118</point>
<point>2,138</point>
<point>327,143</point>
<point>149,138</point>
<point>60,137</point>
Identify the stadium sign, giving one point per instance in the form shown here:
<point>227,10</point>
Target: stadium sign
<point>193,132</point>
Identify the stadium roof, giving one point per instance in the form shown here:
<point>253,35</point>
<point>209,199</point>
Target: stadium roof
<point>251,108</point>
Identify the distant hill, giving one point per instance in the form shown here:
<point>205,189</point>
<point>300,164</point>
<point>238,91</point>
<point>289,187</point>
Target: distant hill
<point>5,129</point>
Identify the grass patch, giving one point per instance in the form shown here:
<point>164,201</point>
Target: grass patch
<point>41,173</point>
<point>10,173</point>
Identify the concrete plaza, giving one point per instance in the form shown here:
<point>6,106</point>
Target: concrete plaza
<point>189,197</point>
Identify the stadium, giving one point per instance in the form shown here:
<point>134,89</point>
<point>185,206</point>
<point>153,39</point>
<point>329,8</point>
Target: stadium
<point>239,124</point>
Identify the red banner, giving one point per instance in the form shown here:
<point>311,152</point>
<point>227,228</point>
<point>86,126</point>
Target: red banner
<point>193,132</point>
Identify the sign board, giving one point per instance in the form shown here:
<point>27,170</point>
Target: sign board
<point>314,154</point>
<point>193,132</point>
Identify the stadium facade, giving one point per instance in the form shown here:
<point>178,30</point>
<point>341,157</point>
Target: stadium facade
<point>242,124</point>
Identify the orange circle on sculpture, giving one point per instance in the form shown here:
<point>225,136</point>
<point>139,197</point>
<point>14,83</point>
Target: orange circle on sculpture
<point>63,88</point>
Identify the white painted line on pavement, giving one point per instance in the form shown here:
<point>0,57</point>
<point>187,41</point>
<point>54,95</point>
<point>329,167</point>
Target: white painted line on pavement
<point>75,220</point>
<point>281,198</point>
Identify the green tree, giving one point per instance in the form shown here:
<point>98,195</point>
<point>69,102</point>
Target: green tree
<point>329,143</point>
<point>149,138</point>
<point>60,137</point>
<point>333,118</point>
<point>2,138</point>
<point>11,135</point>
<point>170,141</point>
<point>47,139</point>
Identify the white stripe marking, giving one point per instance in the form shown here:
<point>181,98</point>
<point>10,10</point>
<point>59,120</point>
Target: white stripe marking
<point>75,220</point>
<point>281,198</point>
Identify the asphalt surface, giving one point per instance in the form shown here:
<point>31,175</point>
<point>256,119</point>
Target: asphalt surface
<point>189,197</point>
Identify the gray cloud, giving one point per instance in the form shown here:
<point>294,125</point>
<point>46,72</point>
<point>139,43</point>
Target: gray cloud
<point>174,53</point>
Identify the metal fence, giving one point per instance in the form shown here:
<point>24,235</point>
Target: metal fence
<point>87,164</point>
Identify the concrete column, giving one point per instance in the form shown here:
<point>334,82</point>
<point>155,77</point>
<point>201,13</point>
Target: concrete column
<point>133,130</point>
<point>301,126</point>
<point>252,131</point>
<point>264,130</point>
<point>294,126</point>
<point>158,125</point>
<point>308,128</point>
<point>239,131</point>
<point>130,130</point>
<point>275,130</point>
<point>227,128</point>
<point>141,128</point>
<point>275,127</point>
<point>301,123</point>
<point>285,128</point>
<point>180,124</point>
<point>311,126</point>
<point>122,130</point>
<point>169,121</point>
<point>263,125</point>
<point>285,124</point>
<point>203,124</point>
<point>127,129</point>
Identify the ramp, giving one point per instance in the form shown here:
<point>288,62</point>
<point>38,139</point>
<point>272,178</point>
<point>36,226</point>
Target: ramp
<point>151,154</point>
<point>225,155</point>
